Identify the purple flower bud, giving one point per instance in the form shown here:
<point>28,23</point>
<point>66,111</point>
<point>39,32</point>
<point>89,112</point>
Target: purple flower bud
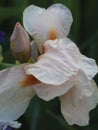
<point>20,44</point>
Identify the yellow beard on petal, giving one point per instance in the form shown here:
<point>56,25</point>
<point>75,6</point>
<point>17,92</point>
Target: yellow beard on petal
<point>52,34</point>
<point>29,80</point>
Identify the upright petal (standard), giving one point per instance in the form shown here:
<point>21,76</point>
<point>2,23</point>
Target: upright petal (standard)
<point>52,23</point>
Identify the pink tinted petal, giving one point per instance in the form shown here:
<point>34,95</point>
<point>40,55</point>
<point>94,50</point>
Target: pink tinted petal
<point>74,114</point>
<point>61,60</point>
<point>48,92</point>
<point>56,65</point>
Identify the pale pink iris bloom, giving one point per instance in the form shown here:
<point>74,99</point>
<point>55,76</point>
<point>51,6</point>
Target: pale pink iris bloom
<point>60,71</point>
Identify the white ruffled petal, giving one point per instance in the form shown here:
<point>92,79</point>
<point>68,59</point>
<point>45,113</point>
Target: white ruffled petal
<point>60,61</point>
<point>14,99</point>
<point>75,105</point>
<point>57,64</point>
<point>56,67</point>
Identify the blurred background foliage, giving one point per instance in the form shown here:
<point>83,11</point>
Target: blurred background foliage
<point>43,115</point>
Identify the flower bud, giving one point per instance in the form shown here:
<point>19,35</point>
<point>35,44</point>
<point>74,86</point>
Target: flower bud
<point>20,44</point>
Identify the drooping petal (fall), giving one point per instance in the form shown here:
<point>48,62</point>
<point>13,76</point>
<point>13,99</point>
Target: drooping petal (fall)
<point>47,24</point>
<point>75,106</point>
<point>14,99</point>
<point>59,63</point>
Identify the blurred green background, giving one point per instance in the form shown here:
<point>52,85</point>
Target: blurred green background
<point>43,115</point>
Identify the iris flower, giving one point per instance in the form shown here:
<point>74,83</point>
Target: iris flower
<point>60,71</point>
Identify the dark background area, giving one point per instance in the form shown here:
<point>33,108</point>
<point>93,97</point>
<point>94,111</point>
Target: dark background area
<point>43,115</point>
